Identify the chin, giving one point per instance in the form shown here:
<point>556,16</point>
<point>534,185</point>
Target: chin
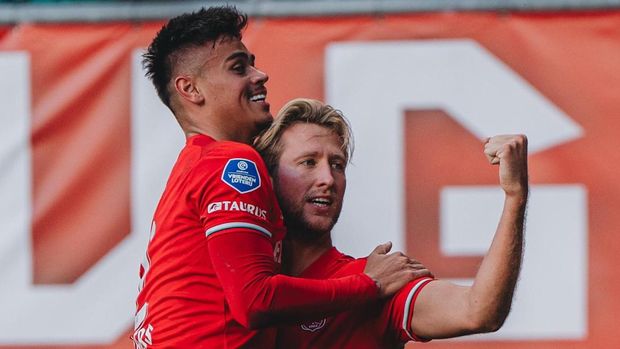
<point>264,123</point>
<point>308,231</point>
<point>320,228</point>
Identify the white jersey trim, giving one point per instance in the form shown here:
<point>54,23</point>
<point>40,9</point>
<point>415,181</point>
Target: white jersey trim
<point>232,225</point>
<point>412,292</point>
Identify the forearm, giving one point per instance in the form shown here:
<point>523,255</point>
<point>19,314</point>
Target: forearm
<point>280,299</point>
<point>258,297</point>
<point>445,310</point>
<point>490,296</point>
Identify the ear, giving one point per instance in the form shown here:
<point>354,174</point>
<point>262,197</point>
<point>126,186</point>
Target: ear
<point>187,89</point>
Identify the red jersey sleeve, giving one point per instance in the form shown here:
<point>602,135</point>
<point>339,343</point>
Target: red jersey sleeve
<point>399,310</point>
<point>243,224</point>
<point>234,191</point>
<point>259,297</point>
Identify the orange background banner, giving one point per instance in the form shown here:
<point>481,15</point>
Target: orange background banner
<point>80,85</point>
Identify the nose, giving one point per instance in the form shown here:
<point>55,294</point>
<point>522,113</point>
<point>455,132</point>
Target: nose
<point>325,177</point>
<point>259,77</point>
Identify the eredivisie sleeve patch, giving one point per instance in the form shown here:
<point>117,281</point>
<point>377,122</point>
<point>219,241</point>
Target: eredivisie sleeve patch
<point>242,175</point>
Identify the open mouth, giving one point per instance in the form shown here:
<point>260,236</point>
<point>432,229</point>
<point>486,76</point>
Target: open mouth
<point>321,202</point>
<point>258,97</point>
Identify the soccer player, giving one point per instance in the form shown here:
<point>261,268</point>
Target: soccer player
<point>210,278</point>
<point>307,149</point>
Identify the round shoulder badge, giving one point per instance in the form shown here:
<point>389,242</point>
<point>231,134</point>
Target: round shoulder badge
<point>242,175</point>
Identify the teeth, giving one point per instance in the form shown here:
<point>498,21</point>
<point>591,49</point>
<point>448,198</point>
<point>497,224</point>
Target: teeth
<point>321,201</point>
<point>259,97</point>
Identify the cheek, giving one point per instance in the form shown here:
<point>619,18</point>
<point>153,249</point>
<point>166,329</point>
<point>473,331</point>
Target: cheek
<point>223,89</point>
<point>291,185</point>
<point>343,188</point>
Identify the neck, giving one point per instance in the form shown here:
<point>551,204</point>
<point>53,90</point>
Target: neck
<point>299,254</point>
<point>219,134</point>
<point>210,126</point>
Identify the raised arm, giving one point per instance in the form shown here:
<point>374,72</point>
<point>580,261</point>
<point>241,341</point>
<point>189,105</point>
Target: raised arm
<point>443,309</point>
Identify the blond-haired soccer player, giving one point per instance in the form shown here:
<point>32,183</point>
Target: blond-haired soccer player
<point>307,149</point>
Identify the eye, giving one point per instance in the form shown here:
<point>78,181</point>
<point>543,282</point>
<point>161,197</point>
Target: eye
<point>239,68</point>
<point>338,165</point>
<point>308,162</point>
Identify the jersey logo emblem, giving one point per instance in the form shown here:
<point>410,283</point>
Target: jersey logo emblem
<point>314,326</point>
<point>242,175</point>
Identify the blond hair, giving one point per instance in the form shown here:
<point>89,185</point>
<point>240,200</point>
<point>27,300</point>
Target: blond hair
<point>302,110</point>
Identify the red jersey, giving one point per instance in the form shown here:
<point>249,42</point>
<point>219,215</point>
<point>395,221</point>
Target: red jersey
<point>214,250</point>
<point>381,324</point>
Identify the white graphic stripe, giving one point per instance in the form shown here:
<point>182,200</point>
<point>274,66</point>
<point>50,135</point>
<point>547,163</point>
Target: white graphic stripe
<point>231,225</point>
<point>414,290</point>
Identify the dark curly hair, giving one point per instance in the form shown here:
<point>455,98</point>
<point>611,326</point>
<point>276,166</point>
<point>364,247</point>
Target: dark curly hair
<point>188,30</point>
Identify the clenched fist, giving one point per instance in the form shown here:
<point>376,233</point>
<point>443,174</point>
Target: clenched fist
<point>510,153</point>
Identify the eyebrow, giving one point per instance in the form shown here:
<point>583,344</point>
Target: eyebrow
<point>315,153</point>
<point>306,154</point>
<point>338,157</point>
<point>241,54</point>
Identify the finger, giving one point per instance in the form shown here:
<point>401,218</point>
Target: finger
<point>399,254</point>
<point>490,151</point>
<point>383,248</point>
<point>418,273</point>
<point>490,158</point>
<point>421,270</point>
<point>417,265</point>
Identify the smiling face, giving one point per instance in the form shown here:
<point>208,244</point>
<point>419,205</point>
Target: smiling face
<point>310,179</point>
<point>233,88</point>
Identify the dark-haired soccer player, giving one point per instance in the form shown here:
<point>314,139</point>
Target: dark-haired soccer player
<point>307,149</point>
<point>209,278</point>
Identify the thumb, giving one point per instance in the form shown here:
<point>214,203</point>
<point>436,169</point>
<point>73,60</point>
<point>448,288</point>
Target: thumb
<point>383,248</point>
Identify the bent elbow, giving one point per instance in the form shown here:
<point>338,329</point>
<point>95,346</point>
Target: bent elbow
<point>492,326</point>
<point>252,306</point>
<point>248,315</point>
<point>488,323</point>
<point>258,319</point>
<point>253,316</point>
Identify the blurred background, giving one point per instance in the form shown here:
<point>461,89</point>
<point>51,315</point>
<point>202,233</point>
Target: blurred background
<point>86,147</point>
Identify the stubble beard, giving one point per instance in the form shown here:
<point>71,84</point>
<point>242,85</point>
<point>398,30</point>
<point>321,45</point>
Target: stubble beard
<point>298,228</point>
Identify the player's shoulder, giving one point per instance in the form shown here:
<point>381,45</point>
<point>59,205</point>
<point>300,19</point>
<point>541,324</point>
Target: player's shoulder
<point>206,158</point>
<point>224,154</point>
<point>346,265</point>
<point>231,149</point>
<point>357,262</point>
<point>345,258</point>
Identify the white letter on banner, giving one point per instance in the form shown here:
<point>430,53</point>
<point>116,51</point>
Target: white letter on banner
<point>98,308</point>
<point>374,83</point>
